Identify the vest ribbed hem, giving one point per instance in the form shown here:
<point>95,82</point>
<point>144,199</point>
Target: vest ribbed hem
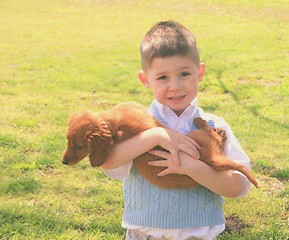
<point>172,221</point>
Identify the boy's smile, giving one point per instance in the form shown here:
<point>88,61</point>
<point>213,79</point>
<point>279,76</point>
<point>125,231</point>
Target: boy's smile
<point>174,81</point>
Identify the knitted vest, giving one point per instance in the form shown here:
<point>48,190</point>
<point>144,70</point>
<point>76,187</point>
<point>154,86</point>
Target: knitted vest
<point>148,205</point>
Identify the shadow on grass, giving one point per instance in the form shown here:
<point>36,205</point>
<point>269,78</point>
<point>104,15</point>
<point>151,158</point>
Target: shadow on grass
<point>28,222</point>
<point>35,223</point>
<point>270,170</point>
<point>281,174</point>
<point>252,109</point>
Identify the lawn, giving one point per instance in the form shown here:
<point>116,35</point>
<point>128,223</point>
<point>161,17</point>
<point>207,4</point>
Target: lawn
<point>63,56</point>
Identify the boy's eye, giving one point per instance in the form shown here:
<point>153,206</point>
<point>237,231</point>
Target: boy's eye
<point>162,77</point>
<point>184,74</point>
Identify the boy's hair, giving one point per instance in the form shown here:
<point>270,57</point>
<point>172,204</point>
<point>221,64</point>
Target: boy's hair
<point>166,39</point>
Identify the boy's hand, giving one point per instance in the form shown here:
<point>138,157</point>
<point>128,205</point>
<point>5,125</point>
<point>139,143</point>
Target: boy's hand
<point>174,142</point>
<point>186,166</point>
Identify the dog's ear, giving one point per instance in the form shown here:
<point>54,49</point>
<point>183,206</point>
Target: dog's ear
<point>100,143</point>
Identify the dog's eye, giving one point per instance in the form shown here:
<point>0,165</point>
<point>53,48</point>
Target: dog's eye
<point>78,147</point>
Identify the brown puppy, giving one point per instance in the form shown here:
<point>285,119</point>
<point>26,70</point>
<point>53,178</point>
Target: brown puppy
<point>95,134</point>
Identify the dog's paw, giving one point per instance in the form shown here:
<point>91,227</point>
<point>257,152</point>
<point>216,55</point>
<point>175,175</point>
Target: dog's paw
<point>220,132</point>
<point>199,122</point>
<point>222,137</point>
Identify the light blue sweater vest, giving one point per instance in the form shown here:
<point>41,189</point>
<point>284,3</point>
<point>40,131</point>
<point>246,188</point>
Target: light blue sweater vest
<point>148,205</point>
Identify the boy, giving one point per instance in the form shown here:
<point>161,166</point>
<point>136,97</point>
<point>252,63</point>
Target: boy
<point>172,70</point>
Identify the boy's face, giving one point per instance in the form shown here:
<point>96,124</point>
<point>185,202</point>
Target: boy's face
<point>174,81</point>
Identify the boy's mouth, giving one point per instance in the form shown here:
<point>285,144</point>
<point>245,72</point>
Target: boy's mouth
<point>177,97</point>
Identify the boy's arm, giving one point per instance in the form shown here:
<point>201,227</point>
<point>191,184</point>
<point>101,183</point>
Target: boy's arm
<point>225,183</point>
<point>129,149</point>
<point>170,140</point>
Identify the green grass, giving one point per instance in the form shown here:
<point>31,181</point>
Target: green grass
<point>63,56</point>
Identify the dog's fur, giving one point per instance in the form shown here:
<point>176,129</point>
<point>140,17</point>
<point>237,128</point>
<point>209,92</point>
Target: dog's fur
<point>95,134</point>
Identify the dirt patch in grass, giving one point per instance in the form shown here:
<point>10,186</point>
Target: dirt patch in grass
<point>234,224</point>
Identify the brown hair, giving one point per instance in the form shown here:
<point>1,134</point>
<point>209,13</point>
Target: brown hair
<point>165,39</point>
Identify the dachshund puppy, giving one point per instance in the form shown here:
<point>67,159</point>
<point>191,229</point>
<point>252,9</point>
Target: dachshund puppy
<point>94,134</point>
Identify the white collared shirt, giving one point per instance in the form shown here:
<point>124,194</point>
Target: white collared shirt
<point>180,123</point>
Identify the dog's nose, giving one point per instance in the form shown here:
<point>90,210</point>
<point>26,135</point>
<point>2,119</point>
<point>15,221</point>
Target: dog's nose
<point>65,160</point>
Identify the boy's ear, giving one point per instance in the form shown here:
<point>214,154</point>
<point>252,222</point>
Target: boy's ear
<point>143,79</point>
<point>202,70</point>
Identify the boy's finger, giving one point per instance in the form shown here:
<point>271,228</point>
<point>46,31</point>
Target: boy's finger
<point>193,142</point>
<point>160,163</point>
<point>193,152</point>
<point>164,173</point>
<point>176,160</point>
<point>159,153</point>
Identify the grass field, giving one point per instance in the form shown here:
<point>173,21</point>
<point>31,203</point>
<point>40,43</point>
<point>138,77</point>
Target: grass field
<point>62,56</point>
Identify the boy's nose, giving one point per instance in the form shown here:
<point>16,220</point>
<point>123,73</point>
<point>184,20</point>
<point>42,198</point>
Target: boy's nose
<point>175,83</point>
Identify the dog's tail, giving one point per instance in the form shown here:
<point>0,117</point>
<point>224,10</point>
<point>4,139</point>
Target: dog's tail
<point>222,163</point>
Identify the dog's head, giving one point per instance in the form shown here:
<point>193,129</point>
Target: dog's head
<point>88,134</point>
